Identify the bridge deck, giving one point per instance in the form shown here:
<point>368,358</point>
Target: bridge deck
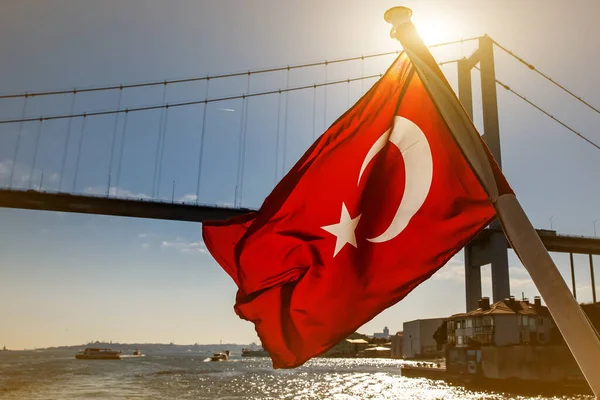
<point>552,241</point>
<point>140,208</point>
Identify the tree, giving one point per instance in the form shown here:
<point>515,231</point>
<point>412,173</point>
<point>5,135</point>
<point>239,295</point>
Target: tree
<point>441,335</point>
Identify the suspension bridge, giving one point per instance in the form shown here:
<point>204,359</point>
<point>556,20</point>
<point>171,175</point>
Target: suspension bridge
<point>213,146</point>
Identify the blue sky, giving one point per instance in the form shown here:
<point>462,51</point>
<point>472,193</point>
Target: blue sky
<point>67,279</point>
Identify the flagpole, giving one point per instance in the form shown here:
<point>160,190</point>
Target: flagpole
<point>579,334</point>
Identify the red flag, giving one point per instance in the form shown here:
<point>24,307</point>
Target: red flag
<point>380,202</point>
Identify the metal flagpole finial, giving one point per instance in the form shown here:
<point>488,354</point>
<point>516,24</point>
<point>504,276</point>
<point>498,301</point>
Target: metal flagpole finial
<point>397,16</point>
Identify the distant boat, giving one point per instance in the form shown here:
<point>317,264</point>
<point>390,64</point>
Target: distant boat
<point>221,356</point>
<point>255,353</point>
<point>92,353</point>
<point>136,353</point>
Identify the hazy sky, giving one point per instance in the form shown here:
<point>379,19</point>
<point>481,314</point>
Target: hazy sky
<point>68,279</point>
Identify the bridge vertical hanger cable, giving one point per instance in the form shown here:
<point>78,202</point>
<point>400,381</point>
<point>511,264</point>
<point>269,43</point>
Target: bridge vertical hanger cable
<point>79,153</point>
<point>121,153</point>
<point>112,146</point>
<point>202,132</point>
<point>285,122</point>
<point>348,104</point>
<point>162,148</point>
<point>17,145</point>
<point>277,134</point>
<point>314,114</point>
<point>362,75</point>
<point>245,133</point>
<point>158,138</point>
<point>241,143</point>
<point>67,138</point>
<point>35,153</point>
<point>325,100</point>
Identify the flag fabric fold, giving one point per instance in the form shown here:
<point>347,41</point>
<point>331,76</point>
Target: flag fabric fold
<point>380,202</point>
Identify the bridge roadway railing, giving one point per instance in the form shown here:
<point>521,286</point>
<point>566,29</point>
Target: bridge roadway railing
<point>552,241</point>
<point>117,206</point>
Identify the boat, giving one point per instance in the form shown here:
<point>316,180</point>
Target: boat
<point>424,370</point>
<point>255,353</point>
<point>92,353</point>
<point>136,353</point>
<point>221,356</point>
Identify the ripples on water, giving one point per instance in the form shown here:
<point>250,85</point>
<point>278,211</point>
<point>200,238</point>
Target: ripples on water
<point>60,376</point>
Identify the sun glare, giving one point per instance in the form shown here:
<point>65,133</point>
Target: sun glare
<point>434,31</point>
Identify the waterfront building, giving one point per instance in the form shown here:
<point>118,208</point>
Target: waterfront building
<point>349,347</point>
<point>510,339</point>
<point>418,338</point>
<point>396,341</point>
<point>507,322</point>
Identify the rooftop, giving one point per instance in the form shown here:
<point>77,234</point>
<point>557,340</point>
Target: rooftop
<point>425,319</point>
<point>357,341</point>
<point>378,349</point>
<point>507,307</point>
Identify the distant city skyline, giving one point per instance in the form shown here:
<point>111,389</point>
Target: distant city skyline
<point>68,278</point>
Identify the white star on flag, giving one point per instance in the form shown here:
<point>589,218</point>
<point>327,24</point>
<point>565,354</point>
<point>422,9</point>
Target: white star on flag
<point>344,230</point>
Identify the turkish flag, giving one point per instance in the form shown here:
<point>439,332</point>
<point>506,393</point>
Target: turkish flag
<point>381,201</point>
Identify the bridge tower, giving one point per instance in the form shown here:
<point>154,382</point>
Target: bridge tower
<point>492,251</point>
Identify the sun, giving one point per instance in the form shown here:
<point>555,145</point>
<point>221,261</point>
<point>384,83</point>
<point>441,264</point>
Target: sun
<point>434,30</point>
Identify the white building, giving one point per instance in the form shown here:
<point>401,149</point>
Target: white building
<point>418,337</point>
<point>382,335</point>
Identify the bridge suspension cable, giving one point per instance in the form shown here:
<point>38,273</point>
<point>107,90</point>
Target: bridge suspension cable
<point>187,103</point>
<point>511,90</point>
<point>531,67</point>
<point>220,76</point>
<point>196,102</point>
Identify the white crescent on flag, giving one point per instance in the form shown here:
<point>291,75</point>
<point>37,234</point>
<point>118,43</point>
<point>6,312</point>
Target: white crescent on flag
<point>418,162</point>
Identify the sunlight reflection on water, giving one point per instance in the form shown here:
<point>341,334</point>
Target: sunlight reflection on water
<point>59,376</point>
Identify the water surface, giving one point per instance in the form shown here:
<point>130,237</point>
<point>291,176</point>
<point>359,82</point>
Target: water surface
<point>58,375</point>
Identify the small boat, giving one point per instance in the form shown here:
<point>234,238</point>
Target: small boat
<point>221,356</point>
<point>91,353</point>
<point>255,353</point>
<point>136,353</point>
